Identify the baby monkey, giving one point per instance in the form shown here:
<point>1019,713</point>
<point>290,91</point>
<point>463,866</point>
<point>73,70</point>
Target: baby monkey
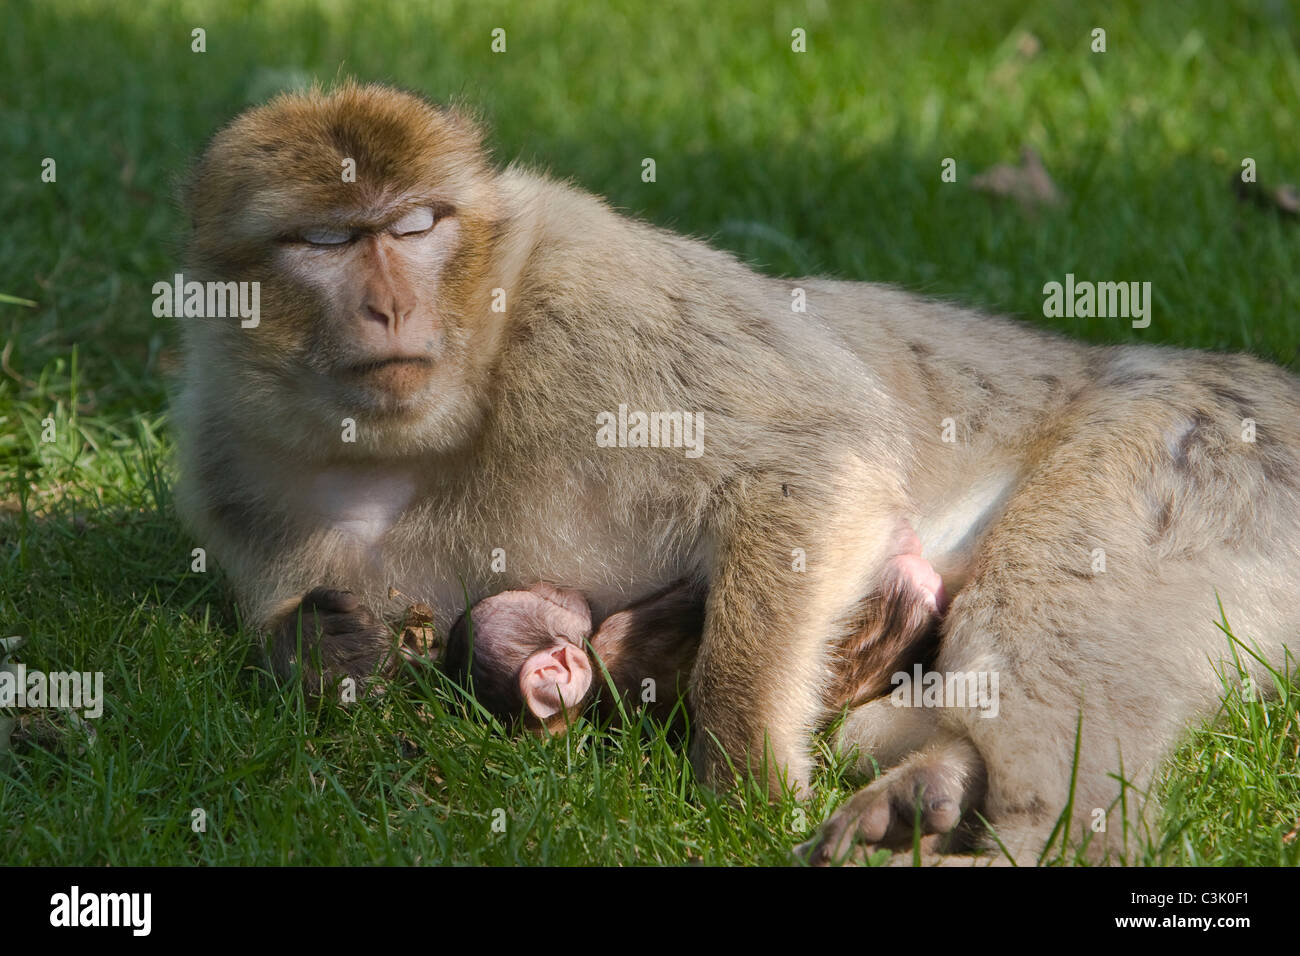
<point>526,654</point>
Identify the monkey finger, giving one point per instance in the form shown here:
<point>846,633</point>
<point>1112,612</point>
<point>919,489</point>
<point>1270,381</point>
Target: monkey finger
<point>336,644</point>
<point>331,599</point>
<point>888,813</point>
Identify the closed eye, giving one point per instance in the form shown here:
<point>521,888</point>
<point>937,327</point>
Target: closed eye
<point>416,222</point>
<point>327,237</point>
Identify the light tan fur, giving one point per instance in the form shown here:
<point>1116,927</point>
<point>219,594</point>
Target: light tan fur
<point>1137,451</point>
<point>820,431</point>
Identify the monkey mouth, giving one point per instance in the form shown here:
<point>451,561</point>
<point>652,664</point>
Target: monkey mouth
<point>398,376</point>
<point>365,368</point>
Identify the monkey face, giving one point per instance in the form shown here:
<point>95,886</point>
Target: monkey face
<point>379,341</point>
<point>368,218</point>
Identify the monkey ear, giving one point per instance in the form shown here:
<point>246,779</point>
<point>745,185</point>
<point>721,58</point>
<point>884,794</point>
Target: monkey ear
<point>555,680</point>
<point>462,116</point>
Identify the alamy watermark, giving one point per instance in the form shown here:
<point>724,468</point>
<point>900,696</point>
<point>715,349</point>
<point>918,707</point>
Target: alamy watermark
<point>64,690</point>
<point>1104,300</point>
<point>923,688</point>
<point>208,300</point>
<point>75,908</point>
<point>651,430</point>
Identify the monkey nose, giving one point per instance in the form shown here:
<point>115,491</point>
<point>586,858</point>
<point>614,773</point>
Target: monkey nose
<point>388,312</point>
<point>379,315</point>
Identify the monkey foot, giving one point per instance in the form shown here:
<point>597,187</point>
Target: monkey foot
<point>924,796</point>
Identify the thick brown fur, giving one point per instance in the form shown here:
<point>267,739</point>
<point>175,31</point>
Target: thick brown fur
<point>504,445</point>
<point>821,430</point>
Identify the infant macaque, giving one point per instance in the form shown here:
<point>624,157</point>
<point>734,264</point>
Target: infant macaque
<point>528,653</point>
<point>892,629</point>
<point>529,648</point>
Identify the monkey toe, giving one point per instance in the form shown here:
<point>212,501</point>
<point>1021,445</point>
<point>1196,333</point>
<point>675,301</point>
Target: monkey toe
<point>875,819</point>
<point>853,823</point>
<point>923,798</point>
<point>940,814</point>
<point>917,576</point>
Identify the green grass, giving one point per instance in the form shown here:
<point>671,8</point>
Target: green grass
<point>825,162</point>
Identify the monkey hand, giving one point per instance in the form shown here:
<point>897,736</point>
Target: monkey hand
<point>331,636</point>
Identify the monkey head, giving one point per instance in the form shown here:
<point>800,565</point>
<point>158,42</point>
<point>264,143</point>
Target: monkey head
<point>529,656</point>
<point>368,217</point>
<point>525,655</point>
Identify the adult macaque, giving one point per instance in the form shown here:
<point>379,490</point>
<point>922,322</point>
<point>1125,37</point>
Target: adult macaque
<point>418,407</point>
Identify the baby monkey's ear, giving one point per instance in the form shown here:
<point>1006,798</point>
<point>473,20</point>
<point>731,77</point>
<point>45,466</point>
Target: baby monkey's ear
<point>555,681</point>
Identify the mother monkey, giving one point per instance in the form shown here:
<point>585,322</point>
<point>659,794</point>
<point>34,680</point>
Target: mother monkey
<point>424,403</point>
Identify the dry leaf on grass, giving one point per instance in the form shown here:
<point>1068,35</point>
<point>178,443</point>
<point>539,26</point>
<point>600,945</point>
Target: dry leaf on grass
<point>1028,183</point>
<point>418,634</point>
